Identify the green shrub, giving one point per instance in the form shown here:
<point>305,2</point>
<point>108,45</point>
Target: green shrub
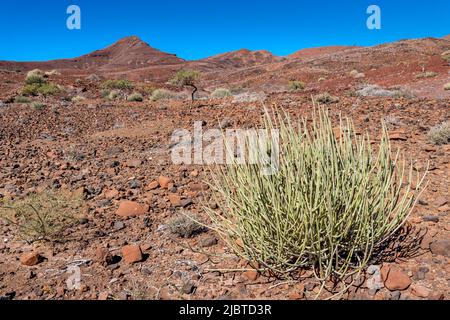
<point>296,85</point>
<point>135,97</point>
<point>36,89</point>
<point>427,74</point>
<point>221,93</point>
<point>104,93</point>
<point>35,79</point>
<point>187,78</point>
<point>440,134</point>
<point>447,86</point>
<point>21,99</point>
<point>330,202</point>
<point>162,94</point>
<point>48,89</point>
<point>42,216</point>
<point>38,105</point>
<point>118,85</point>
<point>113,95</point>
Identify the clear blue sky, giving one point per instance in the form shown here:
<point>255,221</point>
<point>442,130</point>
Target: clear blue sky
<point>36,30</point>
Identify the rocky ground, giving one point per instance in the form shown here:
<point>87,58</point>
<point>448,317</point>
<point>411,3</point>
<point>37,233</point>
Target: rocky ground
<point>118,155</point>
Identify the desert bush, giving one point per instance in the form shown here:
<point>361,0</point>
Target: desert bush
<point>376,91</point>
<point>185,227</point>
<point>328,203</point>
<point>446,55</point>
<point>38,105</point>
<point>440,134</point>
<point>220,93</point>
<point>48,89</point>
<point>36,89</point>
<point>427,74</point>
<point>114,94</point>
<point>136,97</point>
<point>118,85</point>
<point>325,98</point>
<point>187,78</point>
<point>162,94</point>
<point>104,93</point>
<point>296,85</point>
<point>21,99</point>
<point>148,91</point>
<point>42,216</point>
<point>78,99</point>
<point>34,78</point>
<point>447,86</point>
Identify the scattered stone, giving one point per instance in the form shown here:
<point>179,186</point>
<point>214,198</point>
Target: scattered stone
<point>175,200</point>
<point>153,185</point>
<point>420,291</point>
<point>134,184</point>
<point>119,225</point>
<point>208,242</point>
<point>431,219</point>
<point>441,201</point>
<point>132,254</point>
<point>164,182</point>
<point>397,280</point>
<point>194,174</point>
<point>188,287</point>
<point>395,295</point>
<point>131,209</point>
<point>103,296</point>
<point>251,275</point>
<point>441,247</point>
<point>30,259</point>
<point>104,256</point>
<point>133,163</point>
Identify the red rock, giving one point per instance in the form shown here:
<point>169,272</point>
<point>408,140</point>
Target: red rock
<point>175,200</point>
<point>444,208</point>
<point>397,280</point>
<point>131,209</point>
<point>164,182</point>
<point>251,275</point>
<point>103,256</point>
<point>441,247</point>
<point>153,185</point>
<point>103,296</point>
<point>132,254</point>
<point>194,174</point>
<point>133,163</point>
<point>384,272</point>
<point>441,201</point>
<point>30,259</point>
<point>420,291</point>
<point>397,135</point>
<point>111,194</point>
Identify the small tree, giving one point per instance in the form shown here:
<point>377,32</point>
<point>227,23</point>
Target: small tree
<point>187,78</point>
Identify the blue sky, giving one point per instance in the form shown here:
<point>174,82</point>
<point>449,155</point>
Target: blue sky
<point>36,30</point>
